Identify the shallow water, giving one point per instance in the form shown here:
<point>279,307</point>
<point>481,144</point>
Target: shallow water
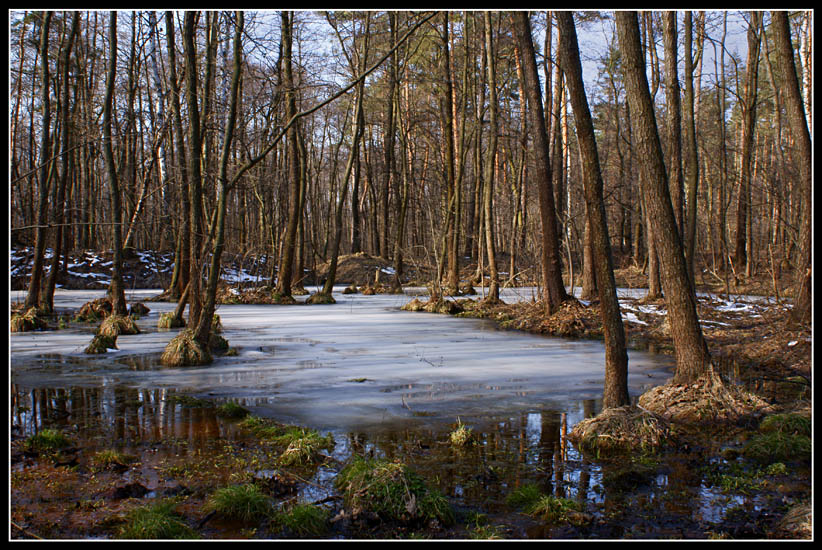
<point>383,382</point>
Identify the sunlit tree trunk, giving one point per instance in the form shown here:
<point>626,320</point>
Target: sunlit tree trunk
<point>35,282</point>
<point>554,290</point>
<point>692,354</point>
<point>616,357</point>
<point>799,128</point>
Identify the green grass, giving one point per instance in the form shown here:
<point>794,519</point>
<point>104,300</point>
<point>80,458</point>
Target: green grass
<point>245,503</point>
<point>524,497</point>
<point>156,521</point>
<point>391,490</point>
<point>47,440</point>
<point>303,520</point>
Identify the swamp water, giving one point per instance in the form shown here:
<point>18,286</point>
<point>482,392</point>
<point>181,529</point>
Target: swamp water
<point>383,382</point>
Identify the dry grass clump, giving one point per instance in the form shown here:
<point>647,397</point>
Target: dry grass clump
<point>169,320</point>
<point>706,399</point>
<point>115,325</point>
<point>620,430</point>
<point>94,310</point>
<point>101,343</point>
<point>29,320</point>
<point>184,351</point>
<point>797,523</point>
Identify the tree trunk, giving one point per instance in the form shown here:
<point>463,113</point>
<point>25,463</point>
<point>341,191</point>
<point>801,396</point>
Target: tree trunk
<point>554,290</point>
<point>615,393</point>
<point>799,128</point>
<point>285,275</point>
<point>116,290</point>
<point>692,354</point>
<point>34,291</point>
<point>203,330</point>
<point>748,104</point>
<point>491,151</point>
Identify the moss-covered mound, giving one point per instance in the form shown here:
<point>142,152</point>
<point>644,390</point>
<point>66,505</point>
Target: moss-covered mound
<point>320,298</point>
<point>95,310</point>
<point>621,430</point>
<point>184,351</point>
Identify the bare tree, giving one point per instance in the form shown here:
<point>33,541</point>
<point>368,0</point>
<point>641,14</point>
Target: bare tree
<point>616,357</point>
<point>692,354</point>
<point>554,290</point>
<point>799,128</point>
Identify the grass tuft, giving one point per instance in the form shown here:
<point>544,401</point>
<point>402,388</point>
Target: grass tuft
<point>391,490</point>
<point>245,503</point>
<point>156,521</point>
<point>303,520</point>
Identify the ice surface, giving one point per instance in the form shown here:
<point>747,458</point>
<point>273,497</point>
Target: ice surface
<point>358,362</point>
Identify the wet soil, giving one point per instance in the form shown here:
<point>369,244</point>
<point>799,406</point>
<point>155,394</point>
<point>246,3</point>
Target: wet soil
<point>699,488</point>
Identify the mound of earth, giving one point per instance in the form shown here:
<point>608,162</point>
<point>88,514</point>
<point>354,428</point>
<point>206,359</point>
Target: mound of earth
<point>359,269</point>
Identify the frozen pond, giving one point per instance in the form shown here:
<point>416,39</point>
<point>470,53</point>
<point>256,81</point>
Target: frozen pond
<point>361,363</point>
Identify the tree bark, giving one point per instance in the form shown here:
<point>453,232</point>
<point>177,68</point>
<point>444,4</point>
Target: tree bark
<point>553,288</point>
<point>116,290</point>
<point>615,392</point>
<point>491,151</point>
<point>799,128</point>
<point>35,282</point>
<point>692,354</point>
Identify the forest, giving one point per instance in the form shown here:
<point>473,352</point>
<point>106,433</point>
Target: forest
<point>571,153</point>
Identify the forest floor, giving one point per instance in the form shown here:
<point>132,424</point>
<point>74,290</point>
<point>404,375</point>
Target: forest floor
<point>73,494</point>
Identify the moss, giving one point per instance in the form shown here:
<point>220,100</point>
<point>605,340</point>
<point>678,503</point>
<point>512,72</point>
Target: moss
<point>216,324</point>
<point>303,520</point>
<point>156,521</point>
<point>391,490</point>
<point>187,401</point>
<point>101,344</point>
<point>184,351</point>
<point>244,503</point>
